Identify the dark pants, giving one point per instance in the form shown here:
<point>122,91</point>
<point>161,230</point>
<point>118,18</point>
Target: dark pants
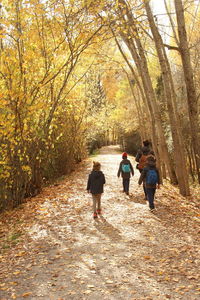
<point>145,194</point>
<point>126,182</point>
<point>150,192</point>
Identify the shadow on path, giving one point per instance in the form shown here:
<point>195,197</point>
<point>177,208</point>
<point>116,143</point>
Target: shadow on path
<point>138,198</point>
<point>103,226</point>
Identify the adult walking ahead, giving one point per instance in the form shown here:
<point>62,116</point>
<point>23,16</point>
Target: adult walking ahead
<point>142,154</point>
<point>141,159</point>
<point>125,169</point>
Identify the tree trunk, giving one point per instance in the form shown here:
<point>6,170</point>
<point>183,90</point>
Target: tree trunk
<point>159,142</point>
<point>144,132</point>
<point>170,96</point>
<point>142,127</point>
<point>141,64</point>
<point>189,81</point>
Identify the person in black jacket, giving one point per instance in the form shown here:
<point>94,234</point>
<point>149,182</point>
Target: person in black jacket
<point>144,151</point>
<point>151,178</point>
<point>125,169</point>
<point>141,158</point>
<point>96,181</point>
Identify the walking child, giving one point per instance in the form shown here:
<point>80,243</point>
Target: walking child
<point>151,178</point>
<point>95,184</point>
<point>125,169</point>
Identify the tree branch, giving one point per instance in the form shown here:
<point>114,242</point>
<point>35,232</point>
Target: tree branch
<point>172,47</point>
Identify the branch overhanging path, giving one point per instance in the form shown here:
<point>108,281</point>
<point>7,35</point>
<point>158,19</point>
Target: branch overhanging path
<point>129,253</point>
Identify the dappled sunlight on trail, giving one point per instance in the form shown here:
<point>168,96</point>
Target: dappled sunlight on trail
<point>127,253</point>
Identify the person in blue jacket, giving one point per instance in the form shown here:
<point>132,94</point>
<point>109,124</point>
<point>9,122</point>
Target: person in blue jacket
<point>95,184</point>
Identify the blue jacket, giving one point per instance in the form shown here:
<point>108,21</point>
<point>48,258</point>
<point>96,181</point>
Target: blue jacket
<point>143,176</point>
<point>120,171</point>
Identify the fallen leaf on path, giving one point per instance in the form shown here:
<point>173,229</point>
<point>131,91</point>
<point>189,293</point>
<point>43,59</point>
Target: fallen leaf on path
<point>16,273</point>
<point>87,292</point>
<point>109,281</point>
<point>13,283</point>
<point>21,253</point>
<point>26,294</point>
<point>147,257</point>
<point>2,284</point>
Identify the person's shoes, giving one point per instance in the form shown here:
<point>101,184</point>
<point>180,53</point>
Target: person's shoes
<point>127,193</point>
<point>99,211</point>
<point>152,209</point>
<point>95,215</point>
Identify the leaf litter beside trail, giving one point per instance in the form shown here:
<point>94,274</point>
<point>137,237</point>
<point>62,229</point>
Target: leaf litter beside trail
<point>52,249</point>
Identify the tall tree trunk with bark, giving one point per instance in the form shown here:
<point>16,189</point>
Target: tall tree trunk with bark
<point>170,96</point>
<point>189,81</point>
<point>141,94</point>
<point>136,49</point>
<point>140,111</point>
<point>145,99</point>
<point>159,140</point>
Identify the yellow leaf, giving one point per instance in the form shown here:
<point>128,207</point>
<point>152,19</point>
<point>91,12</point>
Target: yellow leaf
<point>167,278</point>
<point>87,292</point>
<point>147,257</point>
<point>13,282</point>
<point>2,284</point>
<point>109,281</point>
<point>16,273</point>
<point>26,294</point>
<point>21,253</point>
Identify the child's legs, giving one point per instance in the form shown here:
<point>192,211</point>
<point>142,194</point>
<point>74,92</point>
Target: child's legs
<point>98,201</point>
<point>126,182</point>
<point>123,182</point>
<point>150,196</point>
<point>94,198</point>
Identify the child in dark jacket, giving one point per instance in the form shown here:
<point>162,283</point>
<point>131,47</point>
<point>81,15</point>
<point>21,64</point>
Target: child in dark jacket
<point>125,169</point>
<point>96,180</point>
<point>151,178</point>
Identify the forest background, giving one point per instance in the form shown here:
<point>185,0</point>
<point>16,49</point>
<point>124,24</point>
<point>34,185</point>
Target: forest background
<point>76,75</point>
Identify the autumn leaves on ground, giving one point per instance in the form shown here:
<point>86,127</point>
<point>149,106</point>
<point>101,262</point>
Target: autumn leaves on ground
<point>51,248</point>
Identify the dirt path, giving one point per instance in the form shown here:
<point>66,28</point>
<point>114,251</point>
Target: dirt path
<point>129,253</point>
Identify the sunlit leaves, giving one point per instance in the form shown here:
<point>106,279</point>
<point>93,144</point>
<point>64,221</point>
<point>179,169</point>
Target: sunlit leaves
<point>41,45</point>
